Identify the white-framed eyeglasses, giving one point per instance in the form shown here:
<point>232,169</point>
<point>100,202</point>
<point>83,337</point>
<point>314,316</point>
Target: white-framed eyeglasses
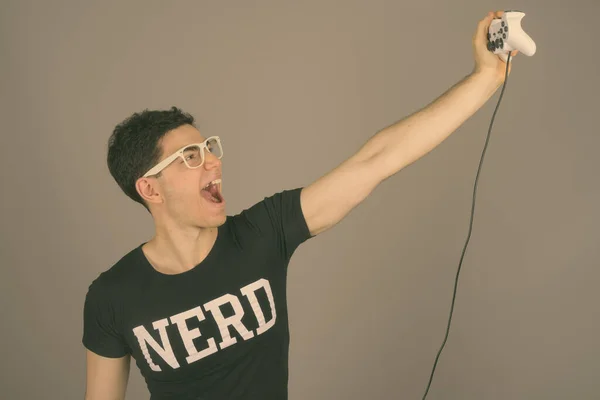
<point>191,154</point>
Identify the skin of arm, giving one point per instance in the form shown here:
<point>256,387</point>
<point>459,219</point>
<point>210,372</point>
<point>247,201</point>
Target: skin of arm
<point>106,378</point>
<point>331,197</point>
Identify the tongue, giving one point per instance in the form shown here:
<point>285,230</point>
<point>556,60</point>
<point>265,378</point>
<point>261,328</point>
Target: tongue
<point>212,193</point>
<point>212,189</point>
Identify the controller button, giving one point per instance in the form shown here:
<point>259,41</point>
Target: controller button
<point>504,36</point>
<point>506,29</point>
<point>490,46</point>
<point>501,45</point>
<point>503,23</point>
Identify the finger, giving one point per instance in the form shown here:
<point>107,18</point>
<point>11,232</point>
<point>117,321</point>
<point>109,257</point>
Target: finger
<point>499,14</point>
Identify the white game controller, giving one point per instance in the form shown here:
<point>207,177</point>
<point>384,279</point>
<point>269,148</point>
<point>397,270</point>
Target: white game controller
<point>506,35</point>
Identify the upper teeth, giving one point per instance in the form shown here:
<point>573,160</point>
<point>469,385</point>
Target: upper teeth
<point>216,181</point>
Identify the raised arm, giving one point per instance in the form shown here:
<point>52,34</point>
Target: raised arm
<point>106,378</point>
<point>330,198</point>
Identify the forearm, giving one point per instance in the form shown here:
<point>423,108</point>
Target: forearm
<point>404,142</point>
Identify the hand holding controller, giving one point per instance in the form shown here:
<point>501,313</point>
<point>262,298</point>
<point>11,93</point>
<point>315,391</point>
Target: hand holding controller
<point>506,35</point>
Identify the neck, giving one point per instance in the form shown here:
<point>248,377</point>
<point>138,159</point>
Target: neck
<point>176,250</point>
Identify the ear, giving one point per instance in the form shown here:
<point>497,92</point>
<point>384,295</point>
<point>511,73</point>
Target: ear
<point>148,189</point>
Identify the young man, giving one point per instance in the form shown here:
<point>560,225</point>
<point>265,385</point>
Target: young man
<point>202,306</point>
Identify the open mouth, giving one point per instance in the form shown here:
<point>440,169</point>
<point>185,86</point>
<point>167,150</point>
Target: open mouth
<point>212,191</point>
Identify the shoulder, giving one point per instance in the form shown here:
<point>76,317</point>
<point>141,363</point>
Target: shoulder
<point>118,276</point>
<point>277,221</point>
<point>266,214</point>
<point>277,202</point>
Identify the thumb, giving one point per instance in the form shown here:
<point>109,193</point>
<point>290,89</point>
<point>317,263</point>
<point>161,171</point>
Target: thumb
<point>483,27</point>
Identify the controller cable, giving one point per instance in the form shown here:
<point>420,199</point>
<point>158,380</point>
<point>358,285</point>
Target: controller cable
<point>470,228</point>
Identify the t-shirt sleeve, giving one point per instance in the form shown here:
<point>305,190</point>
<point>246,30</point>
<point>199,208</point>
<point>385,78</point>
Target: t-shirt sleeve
<point>280,218</point>
<point>100,333</point>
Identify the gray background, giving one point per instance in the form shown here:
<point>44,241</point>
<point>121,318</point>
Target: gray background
<point>294,88</point>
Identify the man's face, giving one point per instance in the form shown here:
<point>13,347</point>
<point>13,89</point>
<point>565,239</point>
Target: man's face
<point>181,187</point>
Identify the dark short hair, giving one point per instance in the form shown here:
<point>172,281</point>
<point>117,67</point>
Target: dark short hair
<point>134,146</point>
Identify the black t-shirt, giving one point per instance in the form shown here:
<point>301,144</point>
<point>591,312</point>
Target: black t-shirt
<point>218,331</point>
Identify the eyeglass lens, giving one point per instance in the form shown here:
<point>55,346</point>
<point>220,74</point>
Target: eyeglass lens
<point>194,157</point>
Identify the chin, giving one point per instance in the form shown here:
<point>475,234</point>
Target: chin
<point>213,221</point>
<point>221,220</point>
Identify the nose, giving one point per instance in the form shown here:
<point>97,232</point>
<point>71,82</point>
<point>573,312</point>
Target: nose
<point>211,161</point>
